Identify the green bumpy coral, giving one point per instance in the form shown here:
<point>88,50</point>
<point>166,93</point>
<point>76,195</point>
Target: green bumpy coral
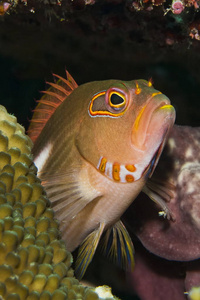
<point>34,262</point>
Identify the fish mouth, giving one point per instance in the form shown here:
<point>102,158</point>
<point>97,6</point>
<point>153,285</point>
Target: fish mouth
<point>153,121</point>
<point>150,131</point>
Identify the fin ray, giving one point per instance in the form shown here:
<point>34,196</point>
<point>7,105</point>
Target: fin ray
<point>58,87</point>
<point>117,244</point>
<point>53,94</point>
<point>67,194</point>
<point>87,250</point>
<point>46,103</point>
<point>49,102</point>
<point>163,188</point>
<point>160,192</point>
<point>70,82</point>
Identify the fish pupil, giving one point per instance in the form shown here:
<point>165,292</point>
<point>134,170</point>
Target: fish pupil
<point>115,99</point>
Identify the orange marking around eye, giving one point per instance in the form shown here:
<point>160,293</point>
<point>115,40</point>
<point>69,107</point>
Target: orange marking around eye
<point>102,165</point>
<point>155,94</point>
<point>129,178</point>
<point>130,168</point>
<point>101,112</point>
<point>138,89</point>
<point>115,172</point>
<point>91,103</point>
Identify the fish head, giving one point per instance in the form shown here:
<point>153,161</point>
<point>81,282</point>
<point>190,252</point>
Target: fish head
<point>125,129</point>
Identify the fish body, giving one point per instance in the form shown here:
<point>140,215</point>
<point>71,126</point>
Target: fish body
<point>95,146</point>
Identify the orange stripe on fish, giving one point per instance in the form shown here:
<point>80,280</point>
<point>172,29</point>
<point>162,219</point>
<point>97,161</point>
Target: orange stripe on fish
<point>138,117</point>
<point>102,165</point>
<point>130,168</point>
<point>129,178</point>
<point>155,94</point>
<point>138,89</point>
<point>115,171</point>
<point>150,82</point>
<point>92,101</point>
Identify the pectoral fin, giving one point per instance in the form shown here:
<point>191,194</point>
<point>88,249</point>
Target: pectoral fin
<point>68,194</point>
<point>87,250</point>
<point>160,193</point>
<point>118,245</point>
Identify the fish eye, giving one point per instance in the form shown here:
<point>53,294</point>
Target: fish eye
<point>116,99</point>
<point>112,102</point>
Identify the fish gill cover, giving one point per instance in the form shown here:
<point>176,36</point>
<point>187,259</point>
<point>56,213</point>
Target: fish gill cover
<point>34,262</point>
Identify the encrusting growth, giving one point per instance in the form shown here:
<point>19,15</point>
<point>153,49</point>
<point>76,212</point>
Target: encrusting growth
<point>34,262</point>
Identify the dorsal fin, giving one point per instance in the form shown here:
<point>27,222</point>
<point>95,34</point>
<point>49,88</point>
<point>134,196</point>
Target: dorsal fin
<point>52,98</point>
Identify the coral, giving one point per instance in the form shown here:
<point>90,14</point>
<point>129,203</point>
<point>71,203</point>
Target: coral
<point>34,263</point>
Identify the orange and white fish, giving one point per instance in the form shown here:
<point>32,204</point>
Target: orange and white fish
<point>95,146</point>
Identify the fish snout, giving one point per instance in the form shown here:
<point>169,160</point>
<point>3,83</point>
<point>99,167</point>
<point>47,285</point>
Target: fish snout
<point>154,119</point>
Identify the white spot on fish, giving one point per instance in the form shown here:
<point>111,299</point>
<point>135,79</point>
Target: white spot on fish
<point>124,172</point>
<point>42,157</point>
<point>108,170</point>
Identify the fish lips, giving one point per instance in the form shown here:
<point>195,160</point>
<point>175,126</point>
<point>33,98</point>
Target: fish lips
<point>153,121</point>
<point>151,129</point>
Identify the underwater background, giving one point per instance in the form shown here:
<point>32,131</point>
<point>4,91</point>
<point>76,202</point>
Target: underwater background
<point>97,40</point>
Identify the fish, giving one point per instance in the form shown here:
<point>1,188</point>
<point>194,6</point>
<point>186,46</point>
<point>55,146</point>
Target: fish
<point>95,146</point>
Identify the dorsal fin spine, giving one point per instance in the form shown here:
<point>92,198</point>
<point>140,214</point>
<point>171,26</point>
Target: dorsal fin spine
<point>70,82</point>
<point>39,121</point>
<point>49,102</point>
<point>71,79</point>
<point>60,98</point>
<point>58,87</point>
<point>48,111</point>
